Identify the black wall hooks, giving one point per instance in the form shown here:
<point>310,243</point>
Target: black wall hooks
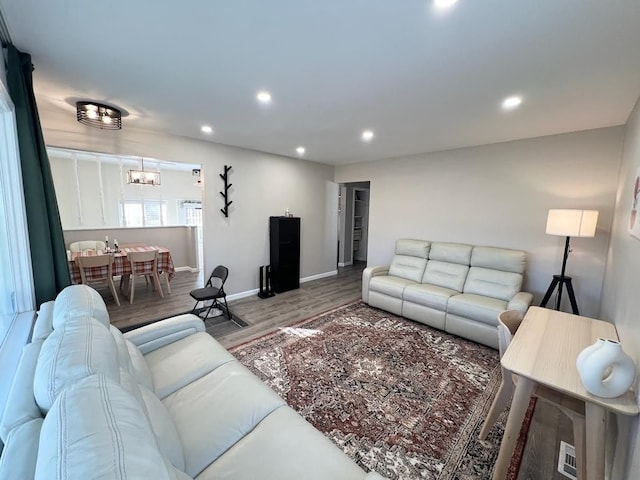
<point>225,195</point>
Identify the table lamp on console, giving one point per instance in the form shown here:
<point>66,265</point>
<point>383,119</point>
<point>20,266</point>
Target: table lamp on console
<point>568,223</point>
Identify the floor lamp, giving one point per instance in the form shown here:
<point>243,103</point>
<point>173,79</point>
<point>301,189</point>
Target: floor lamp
<point>568,223</point>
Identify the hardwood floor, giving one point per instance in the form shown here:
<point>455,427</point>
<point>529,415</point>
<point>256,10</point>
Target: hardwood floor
<point>259,316</point>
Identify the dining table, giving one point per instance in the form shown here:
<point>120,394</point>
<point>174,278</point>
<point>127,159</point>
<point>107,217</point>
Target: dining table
<point>121,265</point>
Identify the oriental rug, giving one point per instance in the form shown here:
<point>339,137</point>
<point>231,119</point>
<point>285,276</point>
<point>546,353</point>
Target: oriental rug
<point>396,396</point>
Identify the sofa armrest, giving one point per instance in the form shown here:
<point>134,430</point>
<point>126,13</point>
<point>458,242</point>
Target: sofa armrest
<point>158,334</point>
<point>520,302</point>
<point>367,275</point>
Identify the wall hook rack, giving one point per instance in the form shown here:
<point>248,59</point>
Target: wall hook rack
<point>225,195</point>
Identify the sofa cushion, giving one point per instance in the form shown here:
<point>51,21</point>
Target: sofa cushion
<point>130,359</point>
<point>476,307</point>
<point>180,363</point>
<point>96,429</point>
<point>77,348</point>
<point>412,248</point>
<point>499,259</point>
<point>286,447</point>
<point>451,252</point>
<point>389,285</point>
<point>20,452</point>
<point>234,401</point>
<point>159,418</point>
<point>429,295</point>
<point>409,268</point>
<point>445,274</point>
<point>493,283</point>
<point>21,405</point>
<point>43,325</point>
<point>77,301</point>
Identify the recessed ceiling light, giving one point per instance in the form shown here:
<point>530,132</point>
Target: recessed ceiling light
<point>206,129</point>
<point>264,97</point>
<point>444,3</point>
<point>510,103</point>
<point>300,150</point>
<point>367,135</point>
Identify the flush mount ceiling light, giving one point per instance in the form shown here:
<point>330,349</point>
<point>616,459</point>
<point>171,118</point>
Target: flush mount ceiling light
<point>99,115</point>
<point>142,177</point>
<point>264,97</point>
<point>206,129</point>
<point>367,136</point>
<point>444,3</point>
<point>300,151</point>
<point>512,102</point>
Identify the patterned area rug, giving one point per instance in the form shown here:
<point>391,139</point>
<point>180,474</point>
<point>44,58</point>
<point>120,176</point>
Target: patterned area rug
<point>398,397</point>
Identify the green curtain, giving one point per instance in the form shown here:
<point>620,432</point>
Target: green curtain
<point>48,253</point>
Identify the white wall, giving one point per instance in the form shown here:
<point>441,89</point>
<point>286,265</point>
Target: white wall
<point>263,185</point>
<point>85,210</point>
<point>499,195</point>
<point>620,299</point>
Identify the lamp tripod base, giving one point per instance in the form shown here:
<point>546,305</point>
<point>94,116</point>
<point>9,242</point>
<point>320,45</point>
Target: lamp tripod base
<point>559,281</point>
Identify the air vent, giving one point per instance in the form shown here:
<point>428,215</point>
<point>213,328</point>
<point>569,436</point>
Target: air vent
<point>567,461</point>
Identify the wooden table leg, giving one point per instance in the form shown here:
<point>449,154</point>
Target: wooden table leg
<point>519,405</point>
<point>595,418</point>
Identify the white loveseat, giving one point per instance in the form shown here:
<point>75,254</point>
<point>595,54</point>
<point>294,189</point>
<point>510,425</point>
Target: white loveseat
<point>454,287</point>
<point>164,401</point>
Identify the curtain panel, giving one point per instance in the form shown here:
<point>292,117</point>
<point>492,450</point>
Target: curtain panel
<point>48,253</point>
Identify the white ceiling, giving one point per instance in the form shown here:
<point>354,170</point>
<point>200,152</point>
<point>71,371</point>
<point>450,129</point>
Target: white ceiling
<point>422,80</point>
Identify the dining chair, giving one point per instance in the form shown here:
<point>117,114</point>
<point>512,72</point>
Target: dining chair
<point>87,245</point>
<point>144,264</point>
<point>213,290</point>
<point>508,323</point>
<point>97,268</point>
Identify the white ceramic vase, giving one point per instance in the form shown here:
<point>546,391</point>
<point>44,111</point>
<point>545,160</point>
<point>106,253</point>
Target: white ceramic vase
<point>605,369</point>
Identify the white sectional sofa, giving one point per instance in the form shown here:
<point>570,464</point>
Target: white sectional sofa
<point>454,287</point>
<point>165,401</point>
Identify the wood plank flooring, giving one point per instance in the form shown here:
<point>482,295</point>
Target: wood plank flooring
<point>261,316</point>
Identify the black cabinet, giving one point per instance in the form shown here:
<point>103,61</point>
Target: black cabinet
<point>284,235</point>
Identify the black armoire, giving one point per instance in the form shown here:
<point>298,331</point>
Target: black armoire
<point>284,235</point>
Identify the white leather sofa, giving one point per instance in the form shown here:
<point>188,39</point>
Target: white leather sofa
<point>165,401</point>
<point>457,288</point>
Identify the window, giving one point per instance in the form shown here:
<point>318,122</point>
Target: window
<point>191,213</point>
<point>143,213</point>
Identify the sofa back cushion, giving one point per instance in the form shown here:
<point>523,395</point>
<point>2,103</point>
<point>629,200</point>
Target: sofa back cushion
<point>499,259</point>
<point>445,274</point>
<point>131,359</point>
<point>493,283</point>
<point>412,248</point>
<point>79,347</point>
<point>410,259</point>
<point>95,429</point>
<point>77,301</point>
<point>451,252</point>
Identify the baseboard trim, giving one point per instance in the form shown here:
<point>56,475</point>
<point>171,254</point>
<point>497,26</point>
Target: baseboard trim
<point>187,268</point>
<point>345,264</point>
<point>249,293</point>
<point>319,276</point>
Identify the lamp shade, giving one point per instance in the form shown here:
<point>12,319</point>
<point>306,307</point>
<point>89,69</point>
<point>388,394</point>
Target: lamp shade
<point>572,223</point>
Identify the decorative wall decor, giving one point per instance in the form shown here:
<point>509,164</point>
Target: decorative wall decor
<point>634,218</point>
<point>225,195</point>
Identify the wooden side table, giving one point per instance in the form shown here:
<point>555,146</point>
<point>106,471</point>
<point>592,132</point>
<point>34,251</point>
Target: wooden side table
<point>544,352</point>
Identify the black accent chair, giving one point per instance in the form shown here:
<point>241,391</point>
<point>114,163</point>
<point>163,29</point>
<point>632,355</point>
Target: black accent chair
<point>213,290</point>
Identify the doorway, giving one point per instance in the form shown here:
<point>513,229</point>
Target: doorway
<point>353,223</point>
